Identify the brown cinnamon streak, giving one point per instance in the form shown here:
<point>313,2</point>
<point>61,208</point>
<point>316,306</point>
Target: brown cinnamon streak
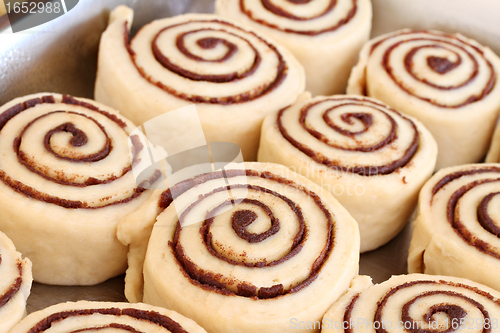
<point>442,65</point>
<point>73,101</point>
<point>207,43</point>
<point>365,118</point>
<point>283,13</point>
<point>452,176</point>
<point>439,65</point>
<point>281,70</point>
<point>140,315</point>
<point>299,239</point>
<point>18,108</point>
<point>276,10</point>
<point>243,218</point>
<point>14,288</point>
<point>484,218</point>
<point>455,220</point>
<point>120,327</point>
<point>360,170</point>
<point>348,314</point>
<point>482,210</point>
<point>454,312</point>
<point>79,138</point>
<point>24,160</point>
<point>215,282</point>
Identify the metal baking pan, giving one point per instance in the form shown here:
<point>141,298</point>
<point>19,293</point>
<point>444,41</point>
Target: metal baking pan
<point>61,56</point>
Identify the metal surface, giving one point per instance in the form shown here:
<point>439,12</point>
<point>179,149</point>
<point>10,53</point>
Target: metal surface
<point>61,56</point>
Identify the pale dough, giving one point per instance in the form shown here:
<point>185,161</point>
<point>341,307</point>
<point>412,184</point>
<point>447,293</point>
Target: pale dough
<point>463,244</point>
<point>448,82</point>
<point>61,201</point>
<point>230,110</point>
<point>106,316</point>
<point>272,193</point>
<point>15,284</point>
<point>325,39</point>
<point>414,302</point>
<point>371,158</point>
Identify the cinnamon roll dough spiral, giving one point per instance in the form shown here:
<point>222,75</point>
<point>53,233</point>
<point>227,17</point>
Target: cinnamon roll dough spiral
<point>415,303</point>
<point>325,35</point>
<point>65,184</point>
<point>248,248</point>
<point>87,316</point>
<point>457,225</point>
<point>449,82</point>
<point>15,284</point>
<point>234,75</point>
<point>371,158</point>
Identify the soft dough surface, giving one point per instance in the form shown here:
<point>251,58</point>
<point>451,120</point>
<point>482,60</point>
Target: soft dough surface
<point>448,82</point>
<point>15,284</point>
<point>325,35</point>
<point>65,184</point>
<point>234,75</point>
<point>373,159</point>
<point>415,303</point>
<point>273,248</point>
<point>457,225</point>
<point>86,316</point>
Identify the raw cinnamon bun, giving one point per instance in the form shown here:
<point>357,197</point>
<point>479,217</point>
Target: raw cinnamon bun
<point>248,248</point>
<point>449,82</point>
<point>234,75</point>
<point>325,35</point>
<point>373,159</point>
<point>15,284</point>
<point>65,184</point>
<point>86,316</point>
<point>415,303</point>
<point>457,225</point>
